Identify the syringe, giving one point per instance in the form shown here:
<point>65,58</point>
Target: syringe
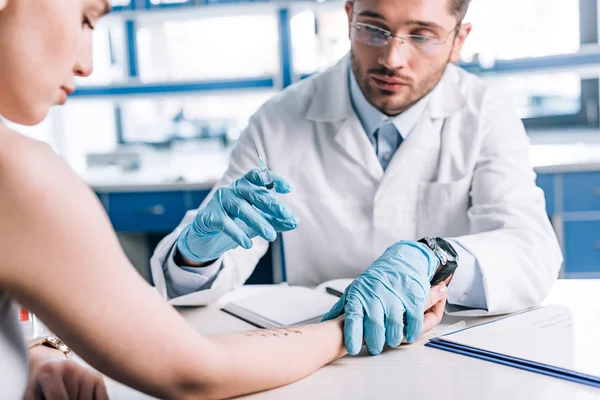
<point>264,170</point>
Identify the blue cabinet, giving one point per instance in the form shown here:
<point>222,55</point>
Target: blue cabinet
<point>581,191</point>
<point>582,248</point>
<point>145,212</point>
<point>197,198</point>
<point>150,212</point>
<point>573,200</point>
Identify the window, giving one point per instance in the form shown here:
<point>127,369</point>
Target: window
<point>543,94</point>
<point>85,126</point>
<point>319,39</point>
<point>75,129</point>
<point>212,48</point>
<point>168,2</point>
<point>216,115</point>
<point>120,3</point>
<point>109,55</point>
<point>511,29</point>
<point>540,29</point>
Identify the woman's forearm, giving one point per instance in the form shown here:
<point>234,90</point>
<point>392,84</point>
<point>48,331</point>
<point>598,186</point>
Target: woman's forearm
<point>282,356</point>
<point>263,359</point>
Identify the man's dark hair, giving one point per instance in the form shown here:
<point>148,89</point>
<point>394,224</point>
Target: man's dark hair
<point>459,8</point>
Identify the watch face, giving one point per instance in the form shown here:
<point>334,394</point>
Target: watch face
<point>447,248</point>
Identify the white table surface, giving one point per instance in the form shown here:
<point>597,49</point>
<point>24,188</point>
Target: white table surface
<point>411,371</point>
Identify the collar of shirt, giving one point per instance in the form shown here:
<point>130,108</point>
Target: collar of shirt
<point>371,118</point>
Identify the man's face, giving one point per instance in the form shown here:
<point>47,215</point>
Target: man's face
<point>398,74</point>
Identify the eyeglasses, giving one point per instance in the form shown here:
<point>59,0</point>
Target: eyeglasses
<point>378,37</point>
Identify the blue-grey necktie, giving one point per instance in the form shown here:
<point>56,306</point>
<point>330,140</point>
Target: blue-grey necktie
<point>387,141</point>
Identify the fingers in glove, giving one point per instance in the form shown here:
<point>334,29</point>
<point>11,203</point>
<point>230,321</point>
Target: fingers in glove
<point>353,325</point>
<point>236,233</point>
<point>281,185</point>
<point>414,322</point>
<point>239,208</point>
<point>394,324</point>
<point>265,202</point>
<point>281,225</point>
<point>374,327</point>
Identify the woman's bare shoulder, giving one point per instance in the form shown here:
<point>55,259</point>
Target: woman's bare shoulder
<point>42,201</point>
<point>27,165</point>
<point>35,183</point>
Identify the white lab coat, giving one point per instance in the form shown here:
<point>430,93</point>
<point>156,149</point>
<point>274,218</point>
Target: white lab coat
<point>462,173</point>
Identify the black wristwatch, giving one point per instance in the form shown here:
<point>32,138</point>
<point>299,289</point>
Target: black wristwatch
<point>446,254</point>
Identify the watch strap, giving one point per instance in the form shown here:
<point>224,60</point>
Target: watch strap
<point>446,269</point>
<point>444,273</point>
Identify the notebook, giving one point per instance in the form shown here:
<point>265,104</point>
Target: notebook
<point>554,340</point>
<point>284,305</point>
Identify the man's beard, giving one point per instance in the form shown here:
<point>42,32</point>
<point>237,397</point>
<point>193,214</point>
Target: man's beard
<point>395,106</point>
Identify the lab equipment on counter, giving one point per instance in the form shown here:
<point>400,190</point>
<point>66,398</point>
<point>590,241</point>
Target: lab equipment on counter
<point>128,160</point>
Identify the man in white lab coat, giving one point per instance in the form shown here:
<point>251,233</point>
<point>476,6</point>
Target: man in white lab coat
<point>391,145</point>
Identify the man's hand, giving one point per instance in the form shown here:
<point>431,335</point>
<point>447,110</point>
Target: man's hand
<point>53,376</point>
<point>391,291</point>
<point>235,214</point>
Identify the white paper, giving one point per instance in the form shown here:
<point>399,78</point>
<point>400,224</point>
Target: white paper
<point>554,335</point>
<point>338,284</point>
<point>283,306</point>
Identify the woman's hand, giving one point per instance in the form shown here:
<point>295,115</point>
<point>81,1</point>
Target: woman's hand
<point>53,376</point>
<point>434,307</point>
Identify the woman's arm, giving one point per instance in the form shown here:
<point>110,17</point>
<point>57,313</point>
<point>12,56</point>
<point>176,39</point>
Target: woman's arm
<point>62,260</point>
<point>281,355</point>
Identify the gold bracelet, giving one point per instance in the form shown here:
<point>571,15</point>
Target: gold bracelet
<point>53,342</point>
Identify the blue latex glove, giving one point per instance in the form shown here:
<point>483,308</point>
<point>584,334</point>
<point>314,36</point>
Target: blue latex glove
<point>237,213</point>
<point>375,304</point>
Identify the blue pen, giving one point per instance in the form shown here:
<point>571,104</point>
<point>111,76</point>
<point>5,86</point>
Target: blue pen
<point>264,170</point>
